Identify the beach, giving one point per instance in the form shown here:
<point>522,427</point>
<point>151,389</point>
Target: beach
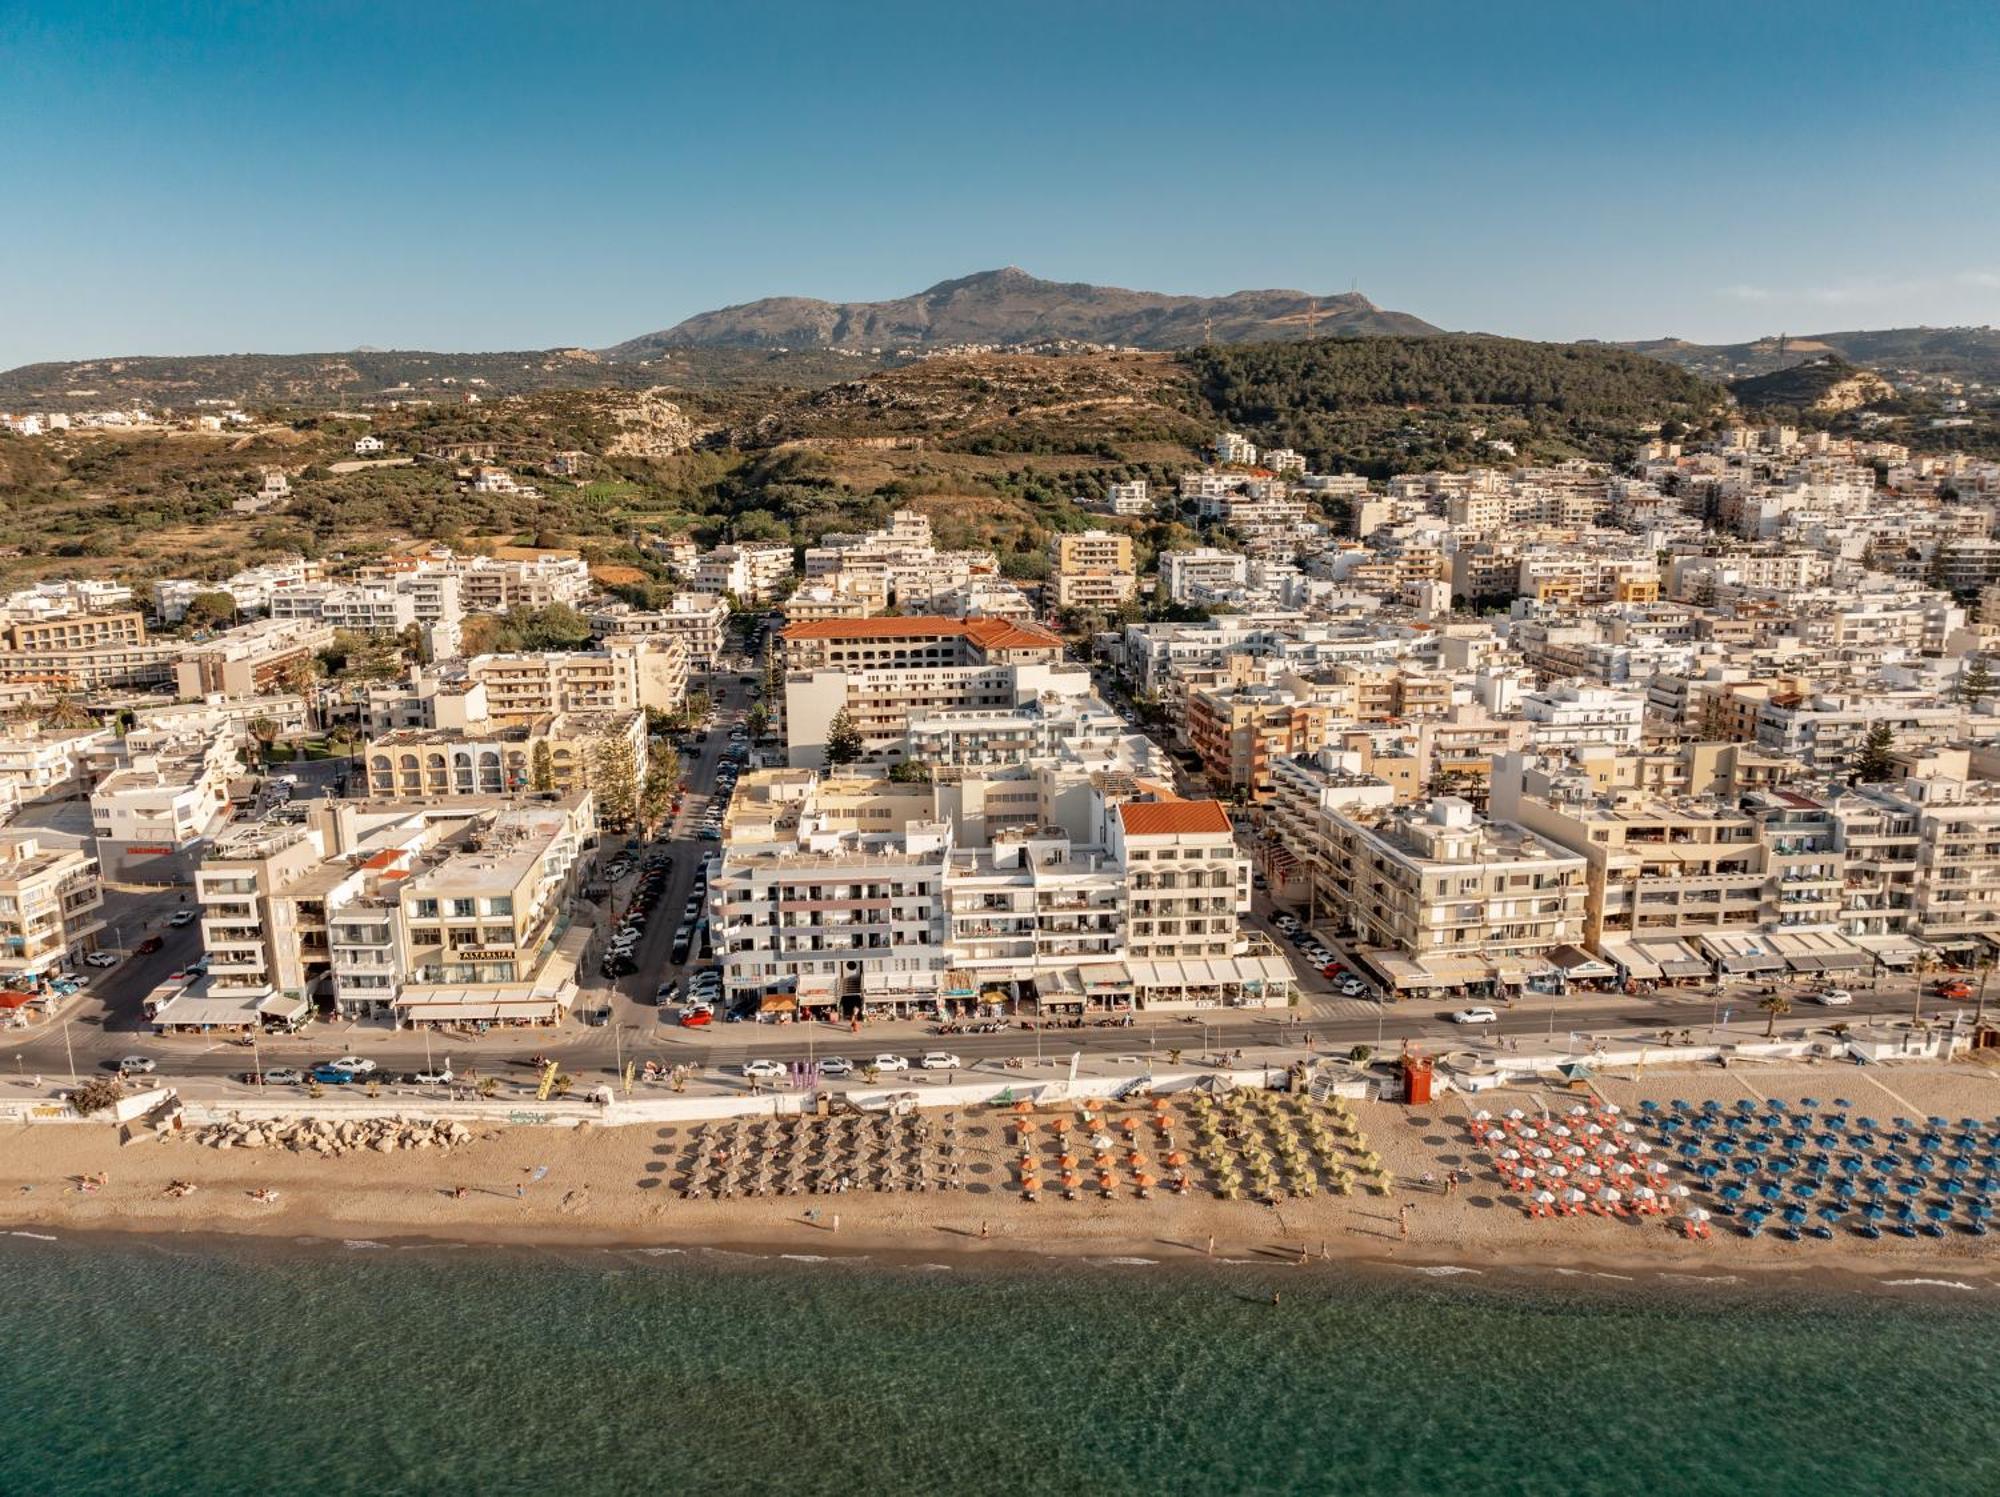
<point>598,1186</point>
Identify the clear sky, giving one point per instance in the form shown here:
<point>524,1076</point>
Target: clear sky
<point>434,174</point>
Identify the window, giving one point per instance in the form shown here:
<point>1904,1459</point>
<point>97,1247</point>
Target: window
<point>463,909</point>
<point>423,909</point>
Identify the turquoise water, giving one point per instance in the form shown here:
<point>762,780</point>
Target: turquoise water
<point>131,1368</point>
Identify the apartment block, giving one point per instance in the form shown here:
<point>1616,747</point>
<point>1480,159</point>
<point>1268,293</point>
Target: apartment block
<point>51,908</point>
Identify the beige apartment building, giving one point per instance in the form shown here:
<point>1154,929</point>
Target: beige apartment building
<point>1439,897</point>
<point>500,757</point>
<point>51,908</point>
<point>1092,569</point>
<point>1240,732</point>
<point>78,631</point>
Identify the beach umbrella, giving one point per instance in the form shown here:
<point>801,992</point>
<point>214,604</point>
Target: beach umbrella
<point>1645,1193</point>
<point>1679,1190</point>
<point>1059,1125</point>
<point>1698,1214</point>
<point>1760,1146</point>
<point>1744,1104</point>
<point>1545,1198</point>
<point>1845,1190</point>
<point>1827,1141</point>
<point>1853,1164</point>
<point>1771,1192</point>
<point>1979,1211</point>
<point>1782,1166</point>
<point>1024,1106</point>
<point>1747,1168</point>
<point>1649,1105</point>
<point>1176,1158</point>
<point>1543,1151</point>
<point>1657,1167</point>
<point>1831,1214</point>
<point>1515,1114</point>
<point>1561,1132</point>
<point>1959,1166</point>
<point>1910,1187</point>
<point>1574,1197</point>
<point>1725,1147</point>
<point>1067,1161</point>
<point>1593,1170</point>
<point>1794,1215</point>
<point>1940,1213</point>
<point>1144,1181</point>
<point>1732,1193</point>
<point>1482,1116</point>
<point>1938,1122</point>
<point>1642,1147</point>
<point>1951,1187</point>
<point>1873,1212</point>
<point>1690,1151</point>
<point>1558,1171</point>
<point>1709,1171</point>
<point>1612,1107</point>
<point>1100,1141</point>
<point>1611,1197</point>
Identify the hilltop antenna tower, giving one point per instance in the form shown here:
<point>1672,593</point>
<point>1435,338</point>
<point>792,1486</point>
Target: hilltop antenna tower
<point>1312,315</point>
<point>1205,338</point>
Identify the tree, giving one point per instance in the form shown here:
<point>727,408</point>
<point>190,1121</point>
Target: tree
<point>1777,1005</point>
<point>214,610</point>
<point>843,740</point>
<point>541,768</point>
<point>1871,765</point>
<point>265,732</point>
<point>910,772</point>
<point>1703,593</point>
<point>96,1095</point>
<point>758,720</point>
<point>1977,682</point>
<point>613,782</point>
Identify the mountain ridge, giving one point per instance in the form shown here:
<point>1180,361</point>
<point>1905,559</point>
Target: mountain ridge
<point>1009,306</point>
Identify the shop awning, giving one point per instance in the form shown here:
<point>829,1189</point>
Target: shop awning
<point>777,1003</point>
<point>284,1005</point>
<point>1635,964</point>
<point>1890,950</point>
<point>1742,955</point>
<point>1675,959</point>
<point>14,998</point>
<point>1401,971</point>
<point>1579,964</point>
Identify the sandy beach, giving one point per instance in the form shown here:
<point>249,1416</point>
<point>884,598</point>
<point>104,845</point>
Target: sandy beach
<point>627,1187</point>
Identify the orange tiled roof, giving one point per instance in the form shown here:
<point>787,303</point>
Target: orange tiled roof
<point>1172,818</point>
<point>989,632</point>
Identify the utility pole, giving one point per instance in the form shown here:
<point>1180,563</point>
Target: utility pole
<point>70,1053</point>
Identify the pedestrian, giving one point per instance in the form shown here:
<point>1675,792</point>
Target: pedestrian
<point>1451,1182</point>
<point>1211,1244</point>
<point>836,1221</point>
<point>1403,1221</point>
<point>1302,1255</point>
<point>520,1190</point>
<point>984,1233</point>
<point>1274,1299</point>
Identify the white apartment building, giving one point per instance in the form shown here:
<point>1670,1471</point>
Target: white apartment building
<point>51,909</point>
<point>1568,713</point>
<point>151,818</point>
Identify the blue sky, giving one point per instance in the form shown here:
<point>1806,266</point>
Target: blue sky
<point>282,177</point>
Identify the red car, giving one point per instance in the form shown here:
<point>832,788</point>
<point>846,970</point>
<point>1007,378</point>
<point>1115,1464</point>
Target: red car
<point>694,1018</point>
<point>148,946</point>
<point>1951,987</point>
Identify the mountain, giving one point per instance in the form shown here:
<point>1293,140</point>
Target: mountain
<point>1957,352</point>
<point>1828,384</point>
<point>373,375</point>
<point>1011,307</point>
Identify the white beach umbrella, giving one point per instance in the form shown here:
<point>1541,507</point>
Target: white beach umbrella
<point>1697,1214</point>
<point>1558,1172</point>
<point>1643,1193</point>
<point>1575,1197</point>
<point>1679,1190</point>
<point>1482,1116</point>
<point>1611,1197</point>
<point>1516,1114</point>
<point>1640,1146</point>
<point>1545,1197</point>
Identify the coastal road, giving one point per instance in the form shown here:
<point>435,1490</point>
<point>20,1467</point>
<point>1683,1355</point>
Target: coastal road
<point>593,1052</point>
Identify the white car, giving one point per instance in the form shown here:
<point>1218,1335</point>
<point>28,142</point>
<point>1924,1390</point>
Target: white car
<point>181,917</point>
<point>138,1065</point>
<point>1833,998</point>
<point>354,1065</point>
<point>1475,1016</point>
<point>890,1063</point>
<point>1353,989</point>
<point>941,1060</point>
<point>436,1078</point>
<point>836,1065</point>
<point>763,1070</point>
<point>100,959</point>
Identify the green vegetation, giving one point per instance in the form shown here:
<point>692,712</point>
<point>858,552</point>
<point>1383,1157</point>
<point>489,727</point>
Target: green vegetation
<point>1386,405</point>
<point>843,740</point>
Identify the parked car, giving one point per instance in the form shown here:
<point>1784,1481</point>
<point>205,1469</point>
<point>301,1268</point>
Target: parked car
<point>100,959</point>
<point>1353,988</point>
<point>835,1065</point>
<point>443,1077</point>
<point>763,1070</point>
<point>888,1063</point>
<point>665,993</point>
<point>1475,1016</point>
<point>332,1076</point>
<point>941,1060</point>
<point>181,917</point>
<point>283,1076</point>
<point>137,1065</point>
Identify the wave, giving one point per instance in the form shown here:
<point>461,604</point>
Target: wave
<point>805,1258</point>
<point>1125,1262</point>
<point>1927,1284</point>
<point>36,1236</point>
<point>360,1242</point>
<point>1442,1270</point>
<point>1695,1278</point>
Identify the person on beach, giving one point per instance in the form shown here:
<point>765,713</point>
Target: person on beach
<point>1274,1299</point>
<point>836,1221</point>
<point>984,1232</point>
<point>520,1190</point>
<point>1403,1221</point>
<point>1451,1182</point>
<point>1211,1244</point>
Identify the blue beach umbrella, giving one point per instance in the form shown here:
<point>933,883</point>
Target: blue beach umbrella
<point>1731,1193</point>
<point>1906,1213</point>
<point>1938,1122</point>
<point>1759,1146</point>
<point>1744,1104</point>
<point>1951,1187</point>
<point>1776,1104</point>
<point>1979,1211</point>
<point>1959,1166</point>
<point>1709,1170</point>
<point>1853,1164</point>
<point>1771,1192</point>
<point>1806,1102</point>
<point>1845,1190</point>
<point>1910,1187</point>
<point>1940,1213</point>
<point>1831,1214</point>
<point>1873,1211</point>
<point>1690,1151</point>
<point>1827,1140</point>
<point>1795,1215</point>
<point>1747,1168</point>
<point>1866,1125</point>
<point>1821,1167</point>
<point>1725,1146</point>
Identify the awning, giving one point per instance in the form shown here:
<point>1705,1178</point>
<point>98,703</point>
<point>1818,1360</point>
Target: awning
<point>284,1005</point>
<point>542,1010</point>
<point>1890,950</point>
<point>1575,962</point>
<point>777,1003</point>
<point>1401,971</point>
<point>13,998</point>
<point>1634,962</point>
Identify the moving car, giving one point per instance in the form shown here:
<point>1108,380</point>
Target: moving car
<point>137,1065</point>
<point>696,1015</point>
<point>1951,987</point>
<point>1475,1016</point>
<point>665,994</point>
<point>148,946</point>
<point>1833,998</point>
<point>941,1060</point>
<point>181,917</point>
<point>763,1070</point>
<point>100,959</point>
<point>354,1065</point>
<point>890,1063</point>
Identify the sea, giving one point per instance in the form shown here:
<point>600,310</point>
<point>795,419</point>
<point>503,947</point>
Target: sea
<point>135,1366</point>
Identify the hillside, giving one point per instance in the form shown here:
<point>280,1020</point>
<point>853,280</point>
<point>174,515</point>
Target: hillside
<point>1004,307</point>
<point>330,379</point>
<point>1828,384</point>
<point>1386,405</point>
<point>1970,353</point>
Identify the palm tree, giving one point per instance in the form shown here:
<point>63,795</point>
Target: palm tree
<point>1777,1005</point>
